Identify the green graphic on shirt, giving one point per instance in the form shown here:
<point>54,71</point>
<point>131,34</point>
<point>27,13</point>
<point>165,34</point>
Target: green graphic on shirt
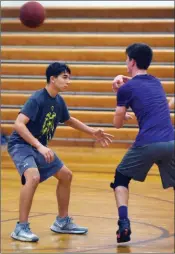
<point>48,126</point>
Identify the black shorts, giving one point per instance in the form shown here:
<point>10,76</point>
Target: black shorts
<point>138,161</point>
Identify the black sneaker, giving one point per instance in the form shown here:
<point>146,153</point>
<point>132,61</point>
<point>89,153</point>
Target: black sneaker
<point>124,231</point>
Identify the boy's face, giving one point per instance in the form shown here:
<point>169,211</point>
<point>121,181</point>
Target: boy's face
<point>61,82</point>
<point>130,65</point>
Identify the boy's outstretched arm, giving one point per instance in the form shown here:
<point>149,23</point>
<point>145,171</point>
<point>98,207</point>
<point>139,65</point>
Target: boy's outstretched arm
<point>104,138</point>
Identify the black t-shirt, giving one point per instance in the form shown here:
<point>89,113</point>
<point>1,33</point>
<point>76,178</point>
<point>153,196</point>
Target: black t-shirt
<point>45,113</point>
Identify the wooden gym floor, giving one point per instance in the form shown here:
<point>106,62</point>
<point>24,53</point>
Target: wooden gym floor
<point>92,204</point>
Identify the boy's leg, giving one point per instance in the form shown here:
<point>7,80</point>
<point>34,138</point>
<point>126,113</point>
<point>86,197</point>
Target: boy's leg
<point>32,179</point>
<point>25,163</point>
<point>63,223</point>
<point>63,190</point>
<point>134,165</point>
<point>121,193</point>
<point>22,231</point>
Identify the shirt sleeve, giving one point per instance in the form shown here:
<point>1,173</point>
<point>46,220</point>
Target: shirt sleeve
<point>124,97</point>
<point>65,112</point>
<point>30,109</point>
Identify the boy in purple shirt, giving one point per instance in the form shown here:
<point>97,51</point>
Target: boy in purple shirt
<point>154,143</point>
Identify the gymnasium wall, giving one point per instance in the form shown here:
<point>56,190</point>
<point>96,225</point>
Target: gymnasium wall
<point>95,3</point>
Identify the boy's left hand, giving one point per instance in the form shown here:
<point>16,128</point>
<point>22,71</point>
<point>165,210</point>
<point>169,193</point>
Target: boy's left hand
<point>102,137</point>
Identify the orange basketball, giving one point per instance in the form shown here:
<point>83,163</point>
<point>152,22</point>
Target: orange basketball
<point>32,14</point>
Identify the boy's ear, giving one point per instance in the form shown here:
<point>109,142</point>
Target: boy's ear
<point>133,62</point>
<point>52,79</point>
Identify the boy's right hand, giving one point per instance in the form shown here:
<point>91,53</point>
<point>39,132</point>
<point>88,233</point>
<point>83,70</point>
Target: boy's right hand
<point>46,152</point>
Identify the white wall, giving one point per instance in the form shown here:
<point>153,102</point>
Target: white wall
<point>94,3</point>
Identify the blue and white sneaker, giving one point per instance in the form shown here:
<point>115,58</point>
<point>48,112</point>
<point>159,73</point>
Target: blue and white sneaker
<point>66,226</point>
<point>23,233</point>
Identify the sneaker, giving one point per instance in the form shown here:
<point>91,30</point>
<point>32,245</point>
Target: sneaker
<point>124,231</point>
<point>22,233</point>
<point>66,226</point>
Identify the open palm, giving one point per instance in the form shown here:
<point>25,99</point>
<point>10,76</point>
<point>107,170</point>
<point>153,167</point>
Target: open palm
<point>104,138</point>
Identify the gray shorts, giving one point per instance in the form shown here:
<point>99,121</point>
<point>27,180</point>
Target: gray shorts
<point>24,156</point>
<point>138,161</point>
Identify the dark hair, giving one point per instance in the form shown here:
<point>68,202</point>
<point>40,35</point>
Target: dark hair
<point>141,53</point>
<point>55,69</point>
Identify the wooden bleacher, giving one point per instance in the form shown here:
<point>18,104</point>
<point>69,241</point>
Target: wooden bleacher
<point>92,41</point>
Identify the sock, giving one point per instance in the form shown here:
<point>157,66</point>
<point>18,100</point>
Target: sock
<point>22,223</point>
<point>61,219</point>
<point>123,212</point>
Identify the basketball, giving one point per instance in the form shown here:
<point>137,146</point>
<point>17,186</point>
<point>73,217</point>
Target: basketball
<point>32,14</point>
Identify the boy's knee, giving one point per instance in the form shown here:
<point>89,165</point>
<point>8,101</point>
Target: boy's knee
<point>68,176</point>
<point>64,175</point>
<point>31,176</point>
<point>120,181</point>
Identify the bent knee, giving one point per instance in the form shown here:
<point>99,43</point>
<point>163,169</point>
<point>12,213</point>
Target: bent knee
<point>120,181</point>
<point>32,176</point>
<point>120,189</point>
<point>35,179</point>
<point>69,176</point>
<point>64,175</point>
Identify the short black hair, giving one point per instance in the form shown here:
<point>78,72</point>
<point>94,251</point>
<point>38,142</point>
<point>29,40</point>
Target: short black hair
<point>55,69</point>
<point>141,53</point>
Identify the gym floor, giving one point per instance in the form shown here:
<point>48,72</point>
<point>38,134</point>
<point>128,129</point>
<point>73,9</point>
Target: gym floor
<point>92,204</point>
